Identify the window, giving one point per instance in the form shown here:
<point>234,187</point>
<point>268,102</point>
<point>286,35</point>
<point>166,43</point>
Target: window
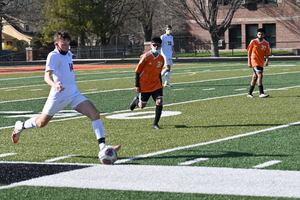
<point>235,37</point>
<point>270,34</point>
<point>251,33</point>
<point>27,28</point>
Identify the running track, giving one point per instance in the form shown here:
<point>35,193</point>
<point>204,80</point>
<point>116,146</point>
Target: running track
<point>10,70</point>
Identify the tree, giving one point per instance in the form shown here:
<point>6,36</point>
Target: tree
<point>205,13</point>
<point>144,12</point>
<point>108,16</point>
<point>85,17</point>
<point>70,15</point>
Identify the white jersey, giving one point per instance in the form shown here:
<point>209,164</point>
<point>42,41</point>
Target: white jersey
<point>167,45</point>
<point>63,71</point>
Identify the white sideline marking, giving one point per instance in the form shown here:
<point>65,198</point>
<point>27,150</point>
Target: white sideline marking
<point>182,179</point>
<point>60,158</point>
<point>35,90</point>
<point>240,89</point>
<point>267,164</point>
<point>193,161</point>
<point>7,154</point>
<point>209,89</point>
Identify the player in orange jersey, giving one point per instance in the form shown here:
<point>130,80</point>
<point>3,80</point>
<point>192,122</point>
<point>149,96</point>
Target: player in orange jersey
<point>258,51</point>
<point>148,80</point>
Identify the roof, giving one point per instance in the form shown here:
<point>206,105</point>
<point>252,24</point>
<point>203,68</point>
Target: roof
<point>7,36</point>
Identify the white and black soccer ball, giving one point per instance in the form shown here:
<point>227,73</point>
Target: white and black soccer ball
<point>108,155</point>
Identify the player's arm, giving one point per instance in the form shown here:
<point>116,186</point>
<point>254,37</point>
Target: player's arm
<point>267,60</point>
<point>137,82</point>
<point>48,79</point>
<point>174,52</point>
<point>160,79</point>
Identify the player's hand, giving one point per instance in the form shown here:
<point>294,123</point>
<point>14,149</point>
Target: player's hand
<point>266,63</point>
<point>137,89</point>
<point>59,87</point>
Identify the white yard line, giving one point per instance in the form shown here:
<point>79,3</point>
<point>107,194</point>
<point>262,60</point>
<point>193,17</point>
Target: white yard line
<point>60,158</point>
<point>205,143</point>
<point>267,164</point>
<point>121,111</point>
<point>7,154</point>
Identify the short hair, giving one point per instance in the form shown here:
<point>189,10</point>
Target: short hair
<point>61,35</point>
<point>156,40</point>
<point>261,30</point>
<point>168,26</point>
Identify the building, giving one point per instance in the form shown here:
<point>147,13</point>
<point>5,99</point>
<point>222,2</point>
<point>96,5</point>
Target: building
<point>17,35</point>
<point>280,18</point>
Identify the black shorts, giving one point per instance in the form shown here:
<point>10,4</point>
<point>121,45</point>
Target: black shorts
<point>157,94</point>
<point>258,69</point>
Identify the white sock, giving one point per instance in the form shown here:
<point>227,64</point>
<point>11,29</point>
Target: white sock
<point>98,129</point>
<point>102,145</point>
<point>163,72</point>
<point>30,123</point>
<point>167,77</point>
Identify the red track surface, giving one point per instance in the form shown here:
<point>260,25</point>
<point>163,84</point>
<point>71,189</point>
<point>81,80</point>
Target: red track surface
<point>42,68</point>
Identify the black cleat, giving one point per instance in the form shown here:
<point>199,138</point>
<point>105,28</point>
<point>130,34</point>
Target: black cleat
<point>133,104</point>
<point>155,126</point>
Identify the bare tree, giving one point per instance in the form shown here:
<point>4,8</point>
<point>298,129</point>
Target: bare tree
<point>205,14</point>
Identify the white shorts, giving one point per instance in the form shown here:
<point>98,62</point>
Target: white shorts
<point>51,107</point>
<point>169,61</point>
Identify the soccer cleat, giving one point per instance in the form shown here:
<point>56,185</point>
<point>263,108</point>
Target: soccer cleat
<point>117,147</point>
<point>133,104</point>
<point>155,126</point>
<point>250,96</point>
<point>15,136</point>
<point>263,95</point>
<point>167,85</point>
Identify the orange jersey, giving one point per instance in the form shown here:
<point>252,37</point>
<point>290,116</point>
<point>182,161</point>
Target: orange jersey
<point>149,69</point>
<point>258,50</point>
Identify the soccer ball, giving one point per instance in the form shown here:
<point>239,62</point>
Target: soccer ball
<point>108,155</point>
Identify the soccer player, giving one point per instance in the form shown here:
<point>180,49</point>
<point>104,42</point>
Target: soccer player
<point>258,51</point>
<point>148,80</point>
<point>59,74</point>
<point>167,49</point>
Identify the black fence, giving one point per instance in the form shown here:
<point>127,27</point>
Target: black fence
<point>134,51</point>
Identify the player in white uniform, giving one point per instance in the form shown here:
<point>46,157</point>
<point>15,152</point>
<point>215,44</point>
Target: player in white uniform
<point>59,74</point>
<point>167,50</point>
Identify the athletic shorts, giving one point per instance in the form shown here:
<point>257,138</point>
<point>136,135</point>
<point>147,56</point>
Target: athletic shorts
<point>51,106</point>
<point>168,61</point>
<point>157,94</point>
<point>258,69</point>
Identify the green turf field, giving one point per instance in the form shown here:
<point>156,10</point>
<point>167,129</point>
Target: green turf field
<point>210,123</point>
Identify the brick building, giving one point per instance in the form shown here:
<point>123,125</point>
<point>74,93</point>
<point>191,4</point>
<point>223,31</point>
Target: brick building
<point>280,18</point>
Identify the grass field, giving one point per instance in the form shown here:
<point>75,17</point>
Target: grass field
<point>208,122</point>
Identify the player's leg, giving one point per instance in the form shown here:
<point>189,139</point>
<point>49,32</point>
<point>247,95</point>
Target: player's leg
<point>252,84</point>
<point>140,101</point>
<point>164,71</point>
<point>259,73</point>
<point>169,63</point>
<point>88,109</point>
<point>49,110</point>
<point>157,97</point>
<point>135,102</point>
